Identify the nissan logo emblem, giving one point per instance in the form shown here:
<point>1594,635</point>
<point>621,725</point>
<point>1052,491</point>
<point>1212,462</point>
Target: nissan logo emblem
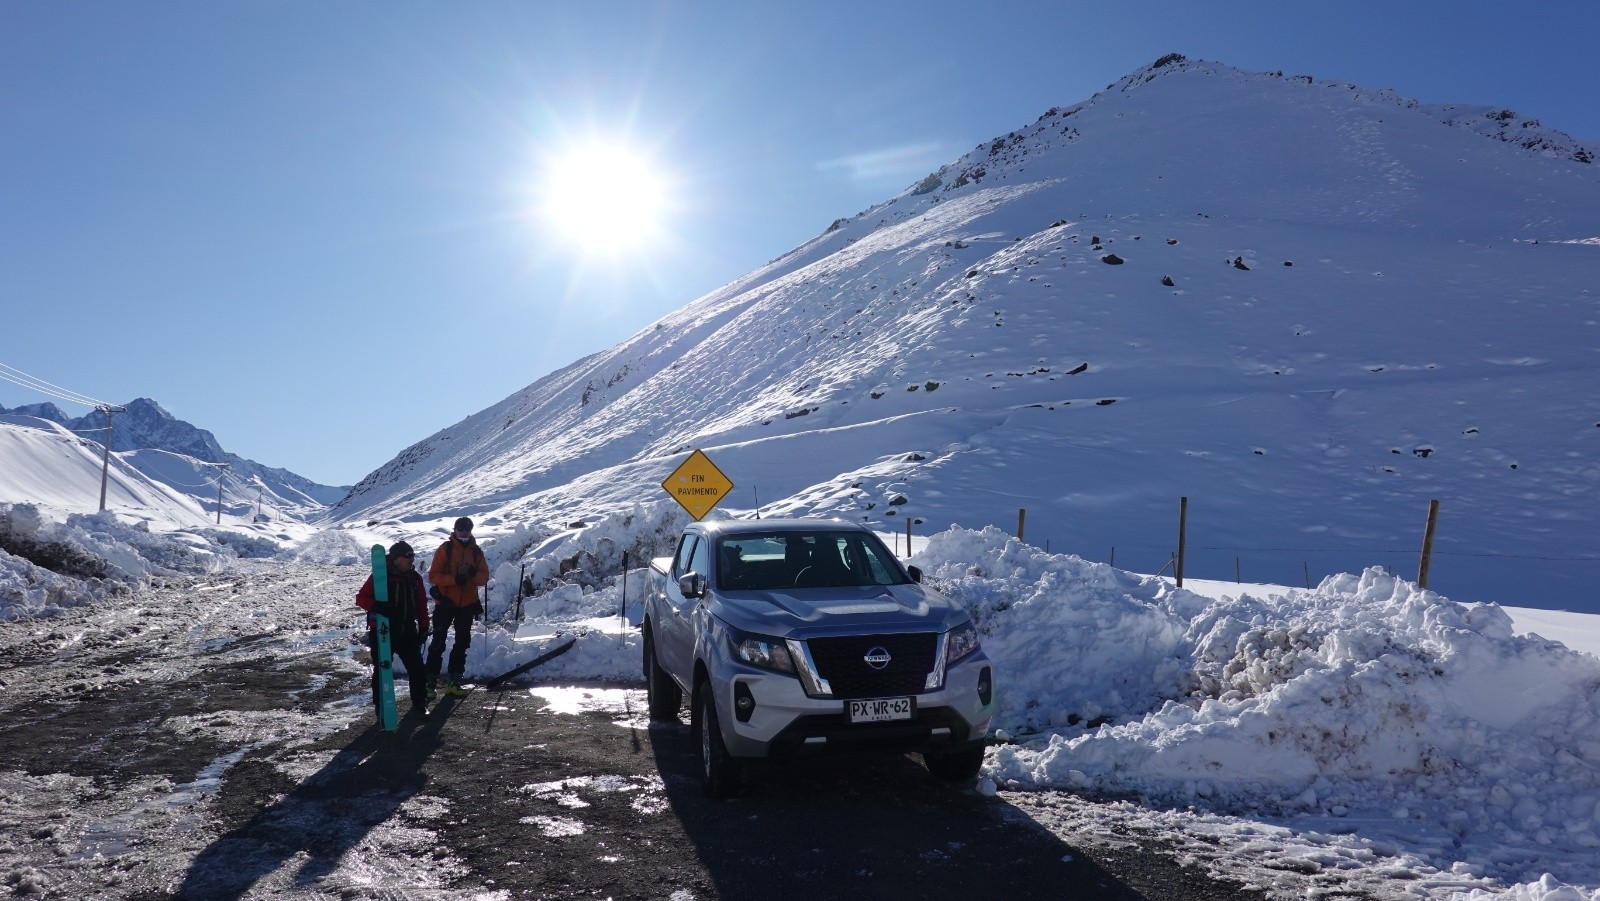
<point>877,657</point>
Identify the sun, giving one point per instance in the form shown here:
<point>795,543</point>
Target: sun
<point>604,198</point>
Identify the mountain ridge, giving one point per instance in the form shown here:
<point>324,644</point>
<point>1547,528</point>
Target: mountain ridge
<point>1130,298</point>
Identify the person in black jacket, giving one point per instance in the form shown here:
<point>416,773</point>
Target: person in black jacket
<point>407,610</point>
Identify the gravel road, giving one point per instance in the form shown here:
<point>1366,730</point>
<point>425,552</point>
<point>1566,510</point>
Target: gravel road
<point>213,739</point>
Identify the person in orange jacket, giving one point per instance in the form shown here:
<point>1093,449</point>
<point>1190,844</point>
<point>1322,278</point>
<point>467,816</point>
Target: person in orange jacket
<point>407,610</point>
<point>457,572</point>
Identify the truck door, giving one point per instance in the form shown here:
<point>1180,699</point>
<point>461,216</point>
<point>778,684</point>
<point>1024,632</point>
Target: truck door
<point>675,632</point>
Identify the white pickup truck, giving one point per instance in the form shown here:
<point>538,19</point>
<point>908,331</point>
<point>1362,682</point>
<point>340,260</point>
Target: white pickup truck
<point>798,637</point>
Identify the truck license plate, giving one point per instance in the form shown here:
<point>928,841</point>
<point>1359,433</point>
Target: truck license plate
<point>880,710</point>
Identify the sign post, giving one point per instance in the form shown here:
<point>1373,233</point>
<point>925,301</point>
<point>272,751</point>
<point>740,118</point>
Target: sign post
<point>697,485</point>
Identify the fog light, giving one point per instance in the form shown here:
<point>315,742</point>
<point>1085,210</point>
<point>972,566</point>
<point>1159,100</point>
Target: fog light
<point>744,703</point>
<point>985,686</point>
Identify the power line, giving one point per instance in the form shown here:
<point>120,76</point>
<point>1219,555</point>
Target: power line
<point>18,377</point>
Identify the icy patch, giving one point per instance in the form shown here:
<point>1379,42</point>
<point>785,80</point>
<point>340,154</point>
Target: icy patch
<point>555,827</point>
<point>568,792</point>
<point>650,804</point>
<point>115,836</point>
<point>252,726</point>
<point>573,700</point>
<point>603,784</point>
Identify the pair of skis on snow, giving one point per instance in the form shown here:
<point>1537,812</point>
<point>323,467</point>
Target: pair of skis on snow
<point>387,715</point>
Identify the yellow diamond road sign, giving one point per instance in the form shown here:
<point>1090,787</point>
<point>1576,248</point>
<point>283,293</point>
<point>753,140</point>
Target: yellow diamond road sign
<point>697,484</point>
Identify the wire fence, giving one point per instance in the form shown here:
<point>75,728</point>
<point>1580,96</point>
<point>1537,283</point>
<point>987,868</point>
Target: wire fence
<point>1559,574</point>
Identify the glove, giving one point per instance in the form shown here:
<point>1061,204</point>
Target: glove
<point>465,572</point>
<point>435,593</point>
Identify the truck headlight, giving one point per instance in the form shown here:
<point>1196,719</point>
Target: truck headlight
<point>959,642</point>
<point>760,650</point>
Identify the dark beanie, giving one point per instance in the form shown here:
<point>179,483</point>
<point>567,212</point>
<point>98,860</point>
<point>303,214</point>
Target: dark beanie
<point>464,524</point>
<point>401,549</point>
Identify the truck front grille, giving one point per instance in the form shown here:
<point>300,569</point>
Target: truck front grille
<point>843,662</point>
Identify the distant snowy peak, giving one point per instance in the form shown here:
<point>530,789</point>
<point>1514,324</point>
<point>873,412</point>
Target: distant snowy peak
<point>40,412</point>
<point>1492,122</point>
<point>1198,137</point>
<point>143,424</point>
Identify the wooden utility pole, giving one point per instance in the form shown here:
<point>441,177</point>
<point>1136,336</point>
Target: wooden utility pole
<point>105,458</point>
<point>1427,544</point>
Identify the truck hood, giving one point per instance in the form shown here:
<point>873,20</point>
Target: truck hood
<point>806,612</point>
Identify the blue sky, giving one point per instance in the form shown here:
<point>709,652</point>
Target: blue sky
<point>316,229</point>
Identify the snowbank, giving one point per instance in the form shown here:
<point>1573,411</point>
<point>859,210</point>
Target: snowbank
<point>1364,698</point>
<point>47,566</point>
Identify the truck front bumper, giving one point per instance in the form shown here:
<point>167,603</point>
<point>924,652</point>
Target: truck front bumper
<point>768,714</point>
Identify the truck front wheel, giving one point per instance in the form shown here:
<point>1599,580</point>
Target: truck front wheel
<point>955,766</point>
<point>719,771</point>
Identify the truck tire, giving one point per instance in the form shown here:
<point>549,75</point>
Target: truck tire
<point>663,696</point>
<point>955,766</point>
<point>719,772</point>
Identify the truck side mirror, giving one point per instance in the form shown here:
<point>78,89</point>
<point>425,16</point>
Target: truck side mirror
<point>692,585</point>
<point>914,573</point>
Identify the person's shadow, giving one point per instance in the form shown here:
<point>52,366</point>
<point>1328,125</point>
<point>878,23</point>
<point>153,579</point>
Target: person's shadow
<point>323,817</point>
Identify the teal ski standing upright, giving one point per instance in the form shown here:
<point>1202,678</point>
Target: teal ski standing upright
<point>380,593</point>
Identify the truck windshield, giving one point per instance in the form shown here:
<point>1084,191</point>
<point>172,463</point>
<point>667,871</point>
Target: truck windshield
<point>822,559</point>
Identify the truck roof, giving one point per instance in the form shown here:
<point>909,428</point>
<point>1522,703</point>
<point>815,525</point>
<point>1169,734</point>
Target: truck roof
<point>735,526</point>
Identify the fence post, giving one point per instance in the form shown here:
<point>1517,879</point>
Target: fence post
<point>1183,524</point>
<point>622,611</point>
<point>908,538</point>
<point>1236,577</point>
<point>1427,543</point>
<point>1113,556</point>
<point>1307,565</point>
<point>1022,519</point>
<point>522,576</point>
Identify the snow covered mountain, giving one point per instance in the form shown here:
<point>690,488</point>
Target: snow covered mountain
<point>1308,307</point>
<point>163,468</point>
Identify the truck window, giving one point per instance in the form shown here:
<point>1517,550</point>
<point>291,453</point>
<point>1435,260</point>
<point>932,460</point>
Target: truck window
<point>813,559</point>
<point>700,559</point>
<point>685,551</point>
